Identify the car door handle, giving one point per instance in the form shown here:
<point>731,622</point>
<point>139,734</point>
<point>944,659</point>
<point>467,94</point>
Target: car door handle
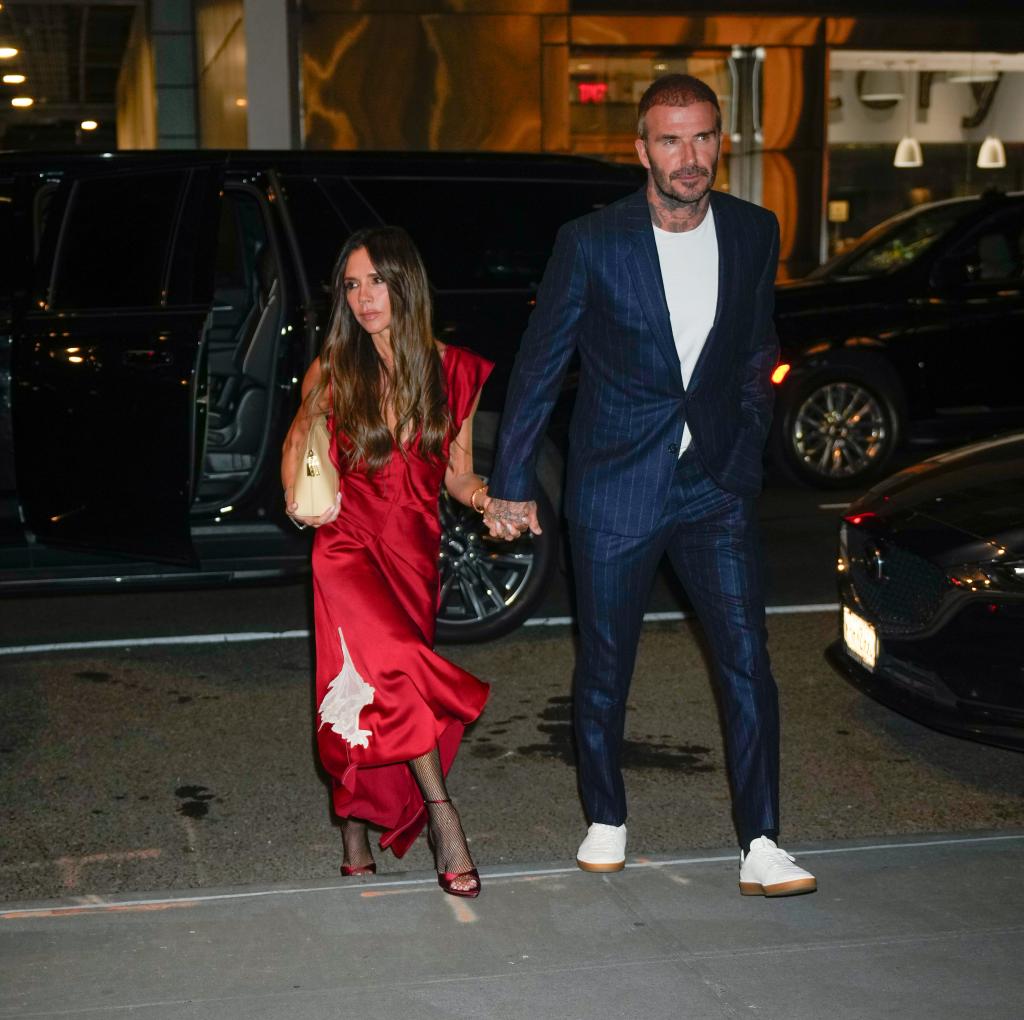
<point>147,358</point>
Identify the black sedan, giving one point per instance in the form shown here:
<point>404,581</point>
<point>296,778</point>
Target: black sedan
<point>931,584</point>
<point>913,335</point>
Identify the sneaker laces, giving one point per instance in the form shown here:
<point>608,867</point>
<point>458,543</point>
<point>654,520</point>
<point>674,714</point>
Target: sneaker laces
<point>767,846</point>
<point>602,837</point>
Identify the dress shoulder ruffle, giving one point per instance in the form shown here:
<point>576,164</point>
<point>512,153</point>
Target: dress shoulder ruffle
<point>466,372</point>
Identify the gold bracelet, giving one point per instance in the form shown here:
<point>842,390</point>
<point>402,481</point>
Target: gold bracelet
<point>472,498</point>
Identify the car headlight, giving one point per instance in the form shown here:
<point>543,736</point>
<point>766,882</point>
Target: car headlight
<point>977,577</point>
<point>1013,574</point>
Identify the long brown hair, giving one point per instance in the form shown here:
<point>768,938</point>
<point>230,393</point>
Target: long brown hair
<point>358,380</point>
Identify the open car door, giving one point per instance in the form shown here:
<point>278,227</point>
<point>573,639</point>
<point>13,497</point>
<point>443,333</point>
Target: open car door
<point>109,381</point>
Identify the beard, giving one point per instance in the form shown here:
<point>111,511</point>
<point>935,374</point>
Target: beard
<point>663,182</point>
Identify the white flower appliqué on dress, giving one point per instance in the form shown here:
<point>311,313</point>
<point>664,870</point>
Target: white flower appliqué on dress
<point>347,695</point>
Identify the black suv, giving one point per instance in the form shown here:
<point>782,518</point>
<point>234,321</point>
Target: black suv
<point>916,333</point>
<point>158,310</point>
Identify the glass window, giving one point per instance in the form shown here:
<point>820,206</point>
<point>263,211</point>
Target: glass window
<point>485,234</point>
<point>229,264</point>
<point>116,236</point>
<point>7,264</point>
<point>41,213</point>
<point>946,101</point>
<point>604,90</point>
<point>320,224</point>
<point>898,242</point>
<point>7,250</point>
<point>241,235</point>
<point>994,253</point>
<point>241,246</point>
<point>17,250</point>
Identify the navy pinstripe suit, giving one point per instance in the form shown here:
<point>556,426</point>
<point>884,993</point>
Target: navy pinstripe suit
<point>630,499</point>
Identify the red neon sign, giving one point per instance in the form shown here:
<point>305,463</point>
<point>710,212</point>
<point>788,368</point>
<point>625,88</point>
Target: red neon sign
<point>593,91</point>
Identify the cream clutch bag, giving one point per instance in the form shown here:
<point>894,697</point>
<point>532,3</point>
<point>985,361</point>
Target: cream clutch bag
<point>316,488</point>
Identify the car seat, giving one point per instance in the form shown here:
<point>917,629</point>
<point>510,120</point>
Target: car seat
<point>236,420</point>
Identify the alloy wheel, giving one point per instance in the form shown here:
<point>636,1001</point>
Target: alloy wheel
<point>840,430</point>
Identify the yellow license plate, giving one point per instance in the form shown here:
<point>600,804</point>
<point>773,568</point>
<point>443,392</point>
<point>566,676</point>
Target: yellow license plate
<point>860,638</point>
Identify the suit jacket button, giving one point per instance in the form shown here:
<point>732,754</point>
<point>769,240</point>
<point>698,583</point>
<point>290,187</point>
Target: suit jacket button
<point>671,447</point>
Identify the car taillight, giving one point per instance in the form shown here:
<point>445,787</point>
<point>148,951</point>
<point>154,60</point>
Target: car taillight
<point>866,518</point>
<point>780,373</point>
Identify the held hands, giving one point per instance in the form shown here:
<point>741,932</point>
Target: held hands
<point>330,514</point>
<point>507,520</point>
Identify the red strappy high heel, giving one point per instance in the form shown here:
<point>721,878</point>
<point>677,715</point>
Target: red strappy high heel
<point>352,870</point>
<point>447,879</point>
<point>348,871</point>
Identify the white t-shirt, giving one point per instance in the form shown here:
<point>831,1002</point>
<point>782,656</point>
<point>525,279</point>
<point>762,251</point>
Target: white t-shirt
<point>689,271</point>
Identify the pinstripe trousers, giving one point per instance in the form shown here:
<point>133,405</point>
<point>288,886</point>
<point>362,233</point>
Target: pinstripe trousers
<point>711,538</point>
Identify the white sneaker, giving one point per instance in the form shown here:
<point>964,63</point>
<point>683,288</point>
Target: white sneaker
<point>768,871</point>
<point>604,848</point>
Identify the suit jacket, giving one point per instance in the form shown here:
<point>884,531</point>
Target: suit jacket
<point>602,296</point>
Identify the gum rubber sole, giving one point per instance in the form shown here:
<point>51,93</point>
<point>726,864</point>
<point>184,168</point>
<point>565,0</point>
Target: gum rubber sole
<point>797,887</point>
<point>592,866</point>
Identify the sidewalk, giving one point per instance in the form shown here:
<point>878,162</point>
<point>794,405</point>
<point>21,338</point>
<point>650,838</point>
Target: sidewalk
<point>919,928</point>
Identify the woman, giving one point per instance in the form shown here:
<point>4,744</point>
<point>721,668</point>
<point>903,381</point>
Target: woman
<point>391,712</point>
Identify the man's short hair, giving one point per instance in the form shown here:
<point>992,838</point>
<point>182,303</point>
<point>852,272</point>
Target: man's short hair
<point>677,90</point>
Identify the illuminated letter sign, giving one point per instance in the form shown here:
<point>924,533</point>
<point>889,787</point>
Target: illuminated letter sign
<point>593,91</point>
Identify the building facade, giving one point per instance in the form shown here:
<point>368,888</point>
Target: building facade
<point>816,98</point>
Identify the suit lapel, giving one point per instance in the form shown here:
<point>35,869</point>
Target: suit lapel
<point>645,271</point>
<point>728,252</point>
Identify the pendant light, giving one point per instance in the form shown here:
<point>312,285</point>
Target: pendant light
<point>908,152</point>
<point>881,86</point>
<point>991,155</point>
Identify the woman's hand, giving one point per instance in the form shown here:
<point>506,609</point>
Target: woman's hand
<point>329,515</point>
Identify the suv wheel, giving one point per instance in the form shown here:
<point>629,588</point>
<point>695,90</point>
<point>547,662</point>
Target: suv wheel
<point>839,429</point>
<point>488,588</point>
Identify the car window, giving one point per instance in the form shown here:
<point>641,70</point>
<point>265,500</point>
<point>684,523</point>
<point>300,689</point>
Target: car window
<point>7,268</point>
<point>241,234</point>
<point>242,254</point>
<point>115,241</point>
<point>485,234</point>
<point>7,250</point>
<point>993,253</point>
<point>16,251</point>
<point>899,242</point>
<point>40,213</point>
<point>321,226</point>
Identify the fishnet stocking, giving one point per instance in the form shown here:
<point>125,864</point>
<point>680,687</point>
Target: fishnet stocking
<point>451,852</point>
<point>356,843</point>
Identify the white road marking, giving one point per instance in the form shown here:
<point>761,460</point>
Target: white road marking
<point>527,874</point>
<point>673,615</point>
<point>139,642</point>
<point>833,506</point>
<point>239,637</point>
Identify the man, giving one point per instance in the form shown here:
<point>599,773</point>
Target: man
<point>667,297</point>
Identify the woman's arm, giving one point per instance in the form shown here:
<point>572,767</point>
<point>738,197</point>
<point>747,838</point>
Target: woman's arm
<point>460,479</point>
<point>294,449</point>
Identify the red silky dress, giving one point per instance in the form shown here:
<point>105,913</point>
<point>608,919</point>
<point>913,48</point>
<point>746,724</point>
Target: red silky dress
<point>383,695</point>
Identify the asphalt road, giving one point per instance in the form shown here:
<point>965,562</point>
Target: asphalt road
<point>165,767</point>
<point>798,536</point>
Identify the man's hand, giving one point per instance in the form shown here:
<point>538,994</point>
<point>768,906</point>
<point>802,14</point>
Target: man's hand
<point>508,520</point>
